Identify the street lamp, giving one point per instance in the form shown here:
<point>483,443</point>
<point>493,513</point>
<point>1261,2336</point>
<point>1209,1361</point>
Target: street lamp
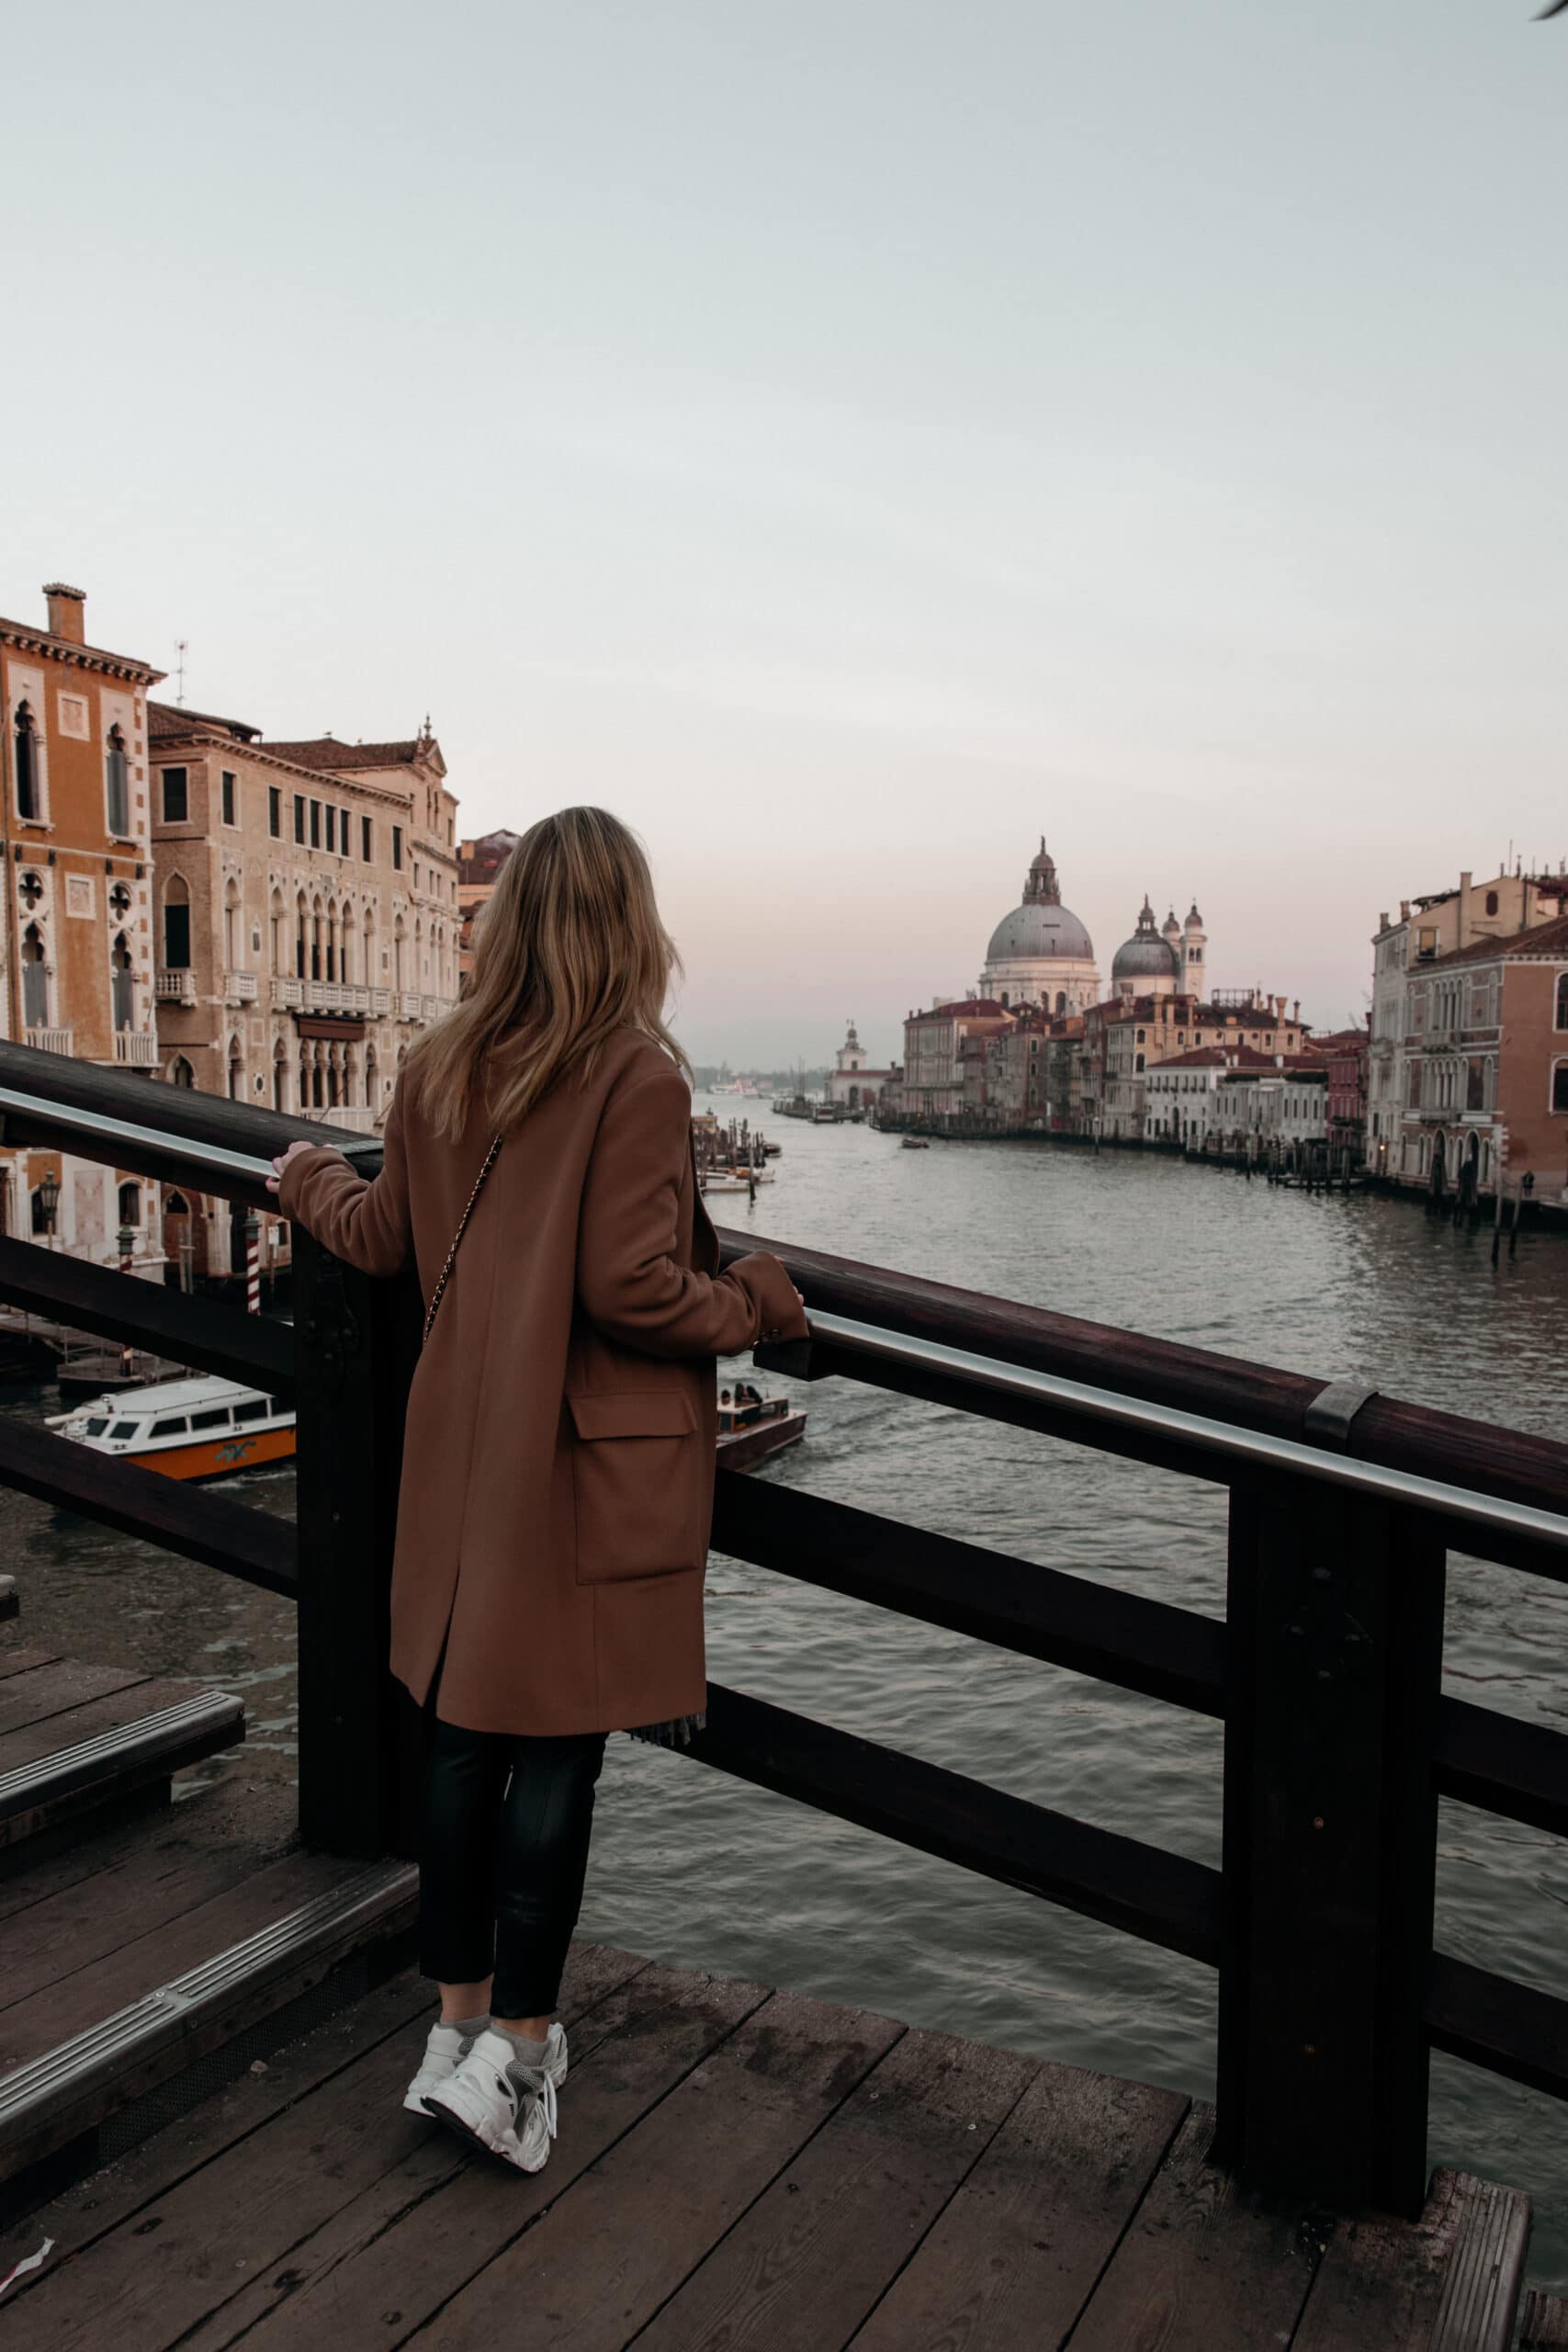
<point>49,1201</point>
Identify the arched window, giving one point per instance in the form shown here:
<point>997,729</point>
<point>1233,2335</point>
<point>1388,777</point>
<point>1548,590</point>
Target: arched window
<point>35,980</point>
<point>236,1071</point>
<point>1491,902</point>
<point>1562,1000</point>
<point>116,785</point>
<point>182,1073</point>
<point>233,928</point>
<point>176,925</point>
<point>299,940</point>
<point>278,949</point>
<point>316,939</point>
<point>1061,1000</point>
<point>1559,1086</point>
<point>280,1077</point>
<point>370,1077</point>
<point>121,989</point>
<point>130,1204</point>
<point>25,765</point>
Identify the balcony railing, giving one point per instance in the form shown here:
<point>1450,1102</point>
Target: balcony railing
<point>174,987</point>
<point>408,1005</point>
<point>49,1041</point>
<point>239,987</point>
<point>136,1048</point>
<point>1326,1671</point>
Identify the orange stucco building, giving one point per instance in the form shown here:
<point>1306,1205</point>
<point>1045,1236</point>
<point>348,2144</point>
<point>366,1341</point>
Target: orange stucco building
<point>75,931</point>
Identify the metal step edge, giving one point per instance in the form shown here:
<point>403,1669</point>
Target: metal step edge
<point>161,2016</point>
<point>142,1741</point>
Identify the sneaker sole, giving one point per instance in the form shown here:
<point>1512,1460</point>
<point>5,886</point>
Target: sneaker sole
<point>467,2131</point>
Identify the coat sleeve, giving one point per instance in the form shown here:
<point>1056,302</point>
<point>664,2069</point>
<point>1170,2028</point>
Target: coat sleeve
<point>628,1283</point>
<point>364,1219</point>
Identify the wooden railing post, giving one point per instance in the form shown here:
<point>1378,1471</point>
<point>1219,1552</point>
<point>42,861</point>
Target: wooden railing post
<point>356,1340</point>
<point>1333,1673</point>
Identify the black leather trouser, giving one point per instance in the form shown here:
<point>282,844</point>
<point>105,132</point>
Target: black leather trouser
<point>503,1855</point>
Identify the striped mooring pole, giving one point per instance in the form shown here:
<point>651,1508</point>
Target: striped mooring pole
<point>252,1264</point>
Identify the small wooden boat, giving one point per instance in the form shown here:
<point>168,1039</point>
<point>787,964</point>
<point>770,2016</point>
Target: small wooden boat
<point>913,1143</point>
<point>198,1427</point>
<point>750,1432</point>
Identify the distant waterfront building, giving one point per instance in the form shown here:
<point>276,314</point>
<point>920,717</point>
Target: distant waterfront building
<point>478,870</point>
<point>935,1042</point>
<point>75,906</point>
<point>852,1082</point>
<point>1131,1036</point>
<point>1485,1064</point>
<point>1441,924</point>
<point>1041,954</point>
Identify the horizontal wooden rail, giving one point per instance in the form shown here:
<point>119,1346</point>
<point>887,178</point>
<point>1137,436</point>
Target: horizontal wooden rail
<point>1510,1464</point>
<point>1065,1619</point>
<point>188,1328</point>
<point>1163,1898</point>
<point>251,1545</point>
<point>1495,2022</point>
<point>1503,1765</point>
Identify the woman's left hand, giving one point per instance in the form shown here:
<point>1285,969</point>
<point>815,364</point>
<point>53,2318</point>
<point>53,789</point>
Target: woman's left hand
<point>281,1161</point>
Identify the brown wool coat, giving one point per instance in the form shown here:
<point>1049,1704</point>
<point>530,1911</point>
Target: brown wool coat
<point>558,1479</point>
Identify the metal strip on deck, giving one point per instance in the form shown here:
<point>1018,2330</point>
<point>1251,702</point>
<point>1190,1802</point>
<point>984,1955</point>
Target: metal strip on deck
<point>173,1736</point>
<point>68,2087</point>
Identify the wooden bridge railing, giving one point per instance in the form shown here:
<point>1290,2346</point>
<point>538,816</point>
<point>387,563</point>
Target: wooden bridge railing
<point>1326,1671</point>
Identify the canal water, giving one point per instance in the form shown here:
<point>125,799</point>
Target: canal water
<point>705,1871</point>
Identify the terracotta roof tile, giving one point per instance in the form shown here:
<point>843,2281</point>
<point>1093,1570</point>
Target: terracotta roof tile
<point>325,752</point>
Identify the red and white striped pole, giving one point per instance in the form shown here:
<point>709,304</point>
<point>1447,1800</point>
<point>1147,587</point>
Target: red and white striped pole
<point>253,1264</point>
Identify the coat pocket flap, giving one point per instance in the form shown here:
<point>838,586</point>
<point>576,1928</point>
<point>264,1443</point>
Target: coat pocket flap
<point>633,1412</point>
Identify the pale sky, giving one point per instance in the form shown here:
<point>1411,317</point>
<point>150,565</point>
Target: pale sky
<point>847,437</point>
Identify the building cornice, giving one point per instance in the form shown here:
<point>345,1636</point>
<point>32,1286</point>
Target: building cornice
<point>321,780</point>
<point>39,641</point>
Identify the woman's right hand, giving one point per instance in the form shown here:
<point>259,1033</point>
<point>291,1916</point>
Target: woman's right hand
<point>282,1158</point>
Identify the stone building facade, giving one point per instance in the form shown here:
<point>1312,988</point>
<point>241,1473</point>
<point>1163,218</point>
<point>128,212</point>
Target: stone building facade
<point>1443,924</point>
<point>306,923</point>
<point>852,1081</point>
<point>75,908</point>
<point>1484,1060</point>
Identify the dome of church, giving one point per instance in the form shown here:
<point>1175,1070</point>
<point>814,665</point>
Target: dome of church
<point>1039,929</point>
<point>1042,926</point>
<point>1144,957</point>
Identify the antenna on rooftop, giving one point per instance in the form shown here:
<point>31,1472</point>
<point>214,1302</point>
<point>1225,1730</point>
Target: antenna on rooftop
<point>182,647</point>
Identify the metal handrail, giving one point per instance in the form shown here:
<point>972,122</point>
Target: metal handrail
<point>1227,1440</point>
<point>96,1126</point>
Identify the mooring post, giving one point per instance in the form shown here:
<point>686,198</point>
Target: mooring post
<point>356,1342</point>
<point>1333,1673</point>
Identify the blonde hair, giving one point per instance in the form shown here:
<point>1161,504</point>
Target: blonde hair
<point>567,949</point>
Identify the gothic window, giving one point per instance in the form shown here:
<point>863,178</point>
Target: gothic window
<point>119,902</point>
<point>120,986</point>
<point>1562,1000</point>
<point>1559,1086</point>
<point>182,1074</point>
<point>116,785</point>
<point>130,1204</point>
<point>25,758</point>
<point>34,980</point>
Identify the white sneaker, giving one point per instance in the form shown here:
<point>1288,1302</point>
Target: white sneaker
<point>443,2051</point>
<point>509,2107</point>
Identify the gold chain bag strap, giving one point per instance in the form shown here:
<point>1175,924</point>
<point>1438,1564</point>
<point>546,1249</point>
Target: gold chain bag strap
<point>446,1274</point>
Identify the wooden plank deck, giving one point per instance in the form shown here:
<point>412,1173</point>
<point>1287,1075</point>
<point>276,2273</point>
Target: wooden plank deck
<point>738,2169</point>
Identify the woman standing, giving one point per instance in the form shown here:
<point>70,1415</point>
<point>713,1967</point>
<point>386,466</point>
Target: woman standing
<point>557,1487</point>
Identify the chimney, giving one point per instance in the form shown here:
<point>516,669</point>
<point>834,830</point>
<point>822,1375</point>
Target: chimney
<point>1464,911</point>
<point>1404,910</point>
<point>65,611</point>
